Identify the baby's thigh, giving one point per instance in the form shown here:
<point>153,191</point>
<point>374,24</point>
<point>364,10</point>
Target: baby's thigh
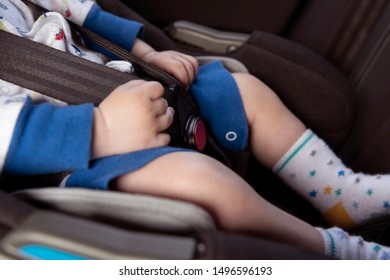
<point>188,176</point>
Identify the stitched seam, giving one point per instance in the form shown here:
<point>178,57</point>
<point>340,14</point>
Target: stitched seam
<point>293,154</point>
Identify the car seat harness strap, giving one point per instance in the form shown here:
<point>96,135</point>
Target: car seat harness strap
<point>75,80</point>
<point>55,73</point>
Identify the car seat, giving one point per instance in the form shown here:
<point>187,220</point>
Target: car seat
<point>220,242</point>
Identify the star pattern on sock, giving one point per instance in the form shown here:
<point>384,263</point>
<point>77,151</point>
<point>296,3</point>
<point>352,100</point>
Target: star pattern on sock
<point>385,256</point>
<point>343,245</point>
<point>355,205</point>
<point>338,192</point>
<point>342,235</point>
<point>370,192</point>
<point>313,153</point>
<point>386,205</point>
<point>328,190</point>
<point>313,173</point>
<point>313,193</point>
<point>341,173</point>
<point>357,180</point>
<point>377,248</point>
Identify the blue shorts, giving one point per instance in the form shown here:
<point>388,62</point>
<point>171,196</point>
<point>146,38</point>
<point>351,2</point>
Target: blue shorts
<point>221,109</point>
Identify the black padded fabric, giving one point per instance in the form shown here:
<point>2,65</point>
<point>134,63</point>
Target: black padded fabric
<point>336,29</point>
<point>309,86</point>
<point>153,35</point>
<point>244,16</point>
<point>12,211</point>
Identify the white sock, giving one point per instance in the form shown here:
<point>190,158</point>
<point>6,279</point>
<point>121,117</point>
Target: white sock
<point>345,198</point>
<point>340,245</point>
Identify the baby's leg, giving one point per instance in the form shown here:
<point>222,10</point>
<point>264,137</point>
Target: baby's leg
<point>236,207</point>
<point>281,142</point>
<point>232,202</point>
<point>273,128</point>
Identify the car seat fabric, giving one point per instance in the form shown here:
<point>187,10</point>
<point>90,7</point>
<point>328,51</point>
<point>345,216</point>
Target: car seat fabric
<point>338,30</point>
<point>354,36</point>
<point>243,16</point>
<point>371,82</point>
<point>232,65</point>
<point>124,210</point>
<point>309,86</point>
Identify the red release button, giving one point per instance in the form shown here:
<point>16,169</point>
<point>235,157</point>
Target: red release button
<point>200,135</point>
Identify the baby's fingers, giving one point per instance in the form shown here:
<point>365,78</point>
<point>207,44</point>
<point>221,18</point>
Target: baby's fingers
<point>162,138</point>
<point>165,121</point>
<point>184,69</point>
<point>160,106</point>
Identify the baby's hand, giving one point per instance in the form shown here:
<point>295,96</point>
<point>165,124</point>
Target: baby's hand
<point>133,117</point>
<point>183,67</point>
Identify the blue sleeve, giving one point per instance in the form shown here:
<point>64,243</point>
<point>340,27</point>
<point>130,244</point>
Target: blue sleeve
<point>120,31</point>
<point>50,139</point>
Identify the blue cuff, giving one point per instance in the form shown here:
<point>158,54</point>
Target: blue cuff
<point>102,171</point>
<point>119,31</point>
<point>220,106</point>
<point>50,139</point>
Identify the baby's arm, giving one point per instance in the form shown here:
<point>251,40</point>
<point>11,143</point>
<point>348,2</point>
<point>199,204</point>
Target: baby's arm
<point>50,139</point>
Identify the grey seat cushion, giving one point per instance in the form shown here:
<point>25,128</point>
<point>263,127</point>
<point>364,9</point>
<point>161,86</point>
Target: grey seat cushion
<point>124,209</point>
